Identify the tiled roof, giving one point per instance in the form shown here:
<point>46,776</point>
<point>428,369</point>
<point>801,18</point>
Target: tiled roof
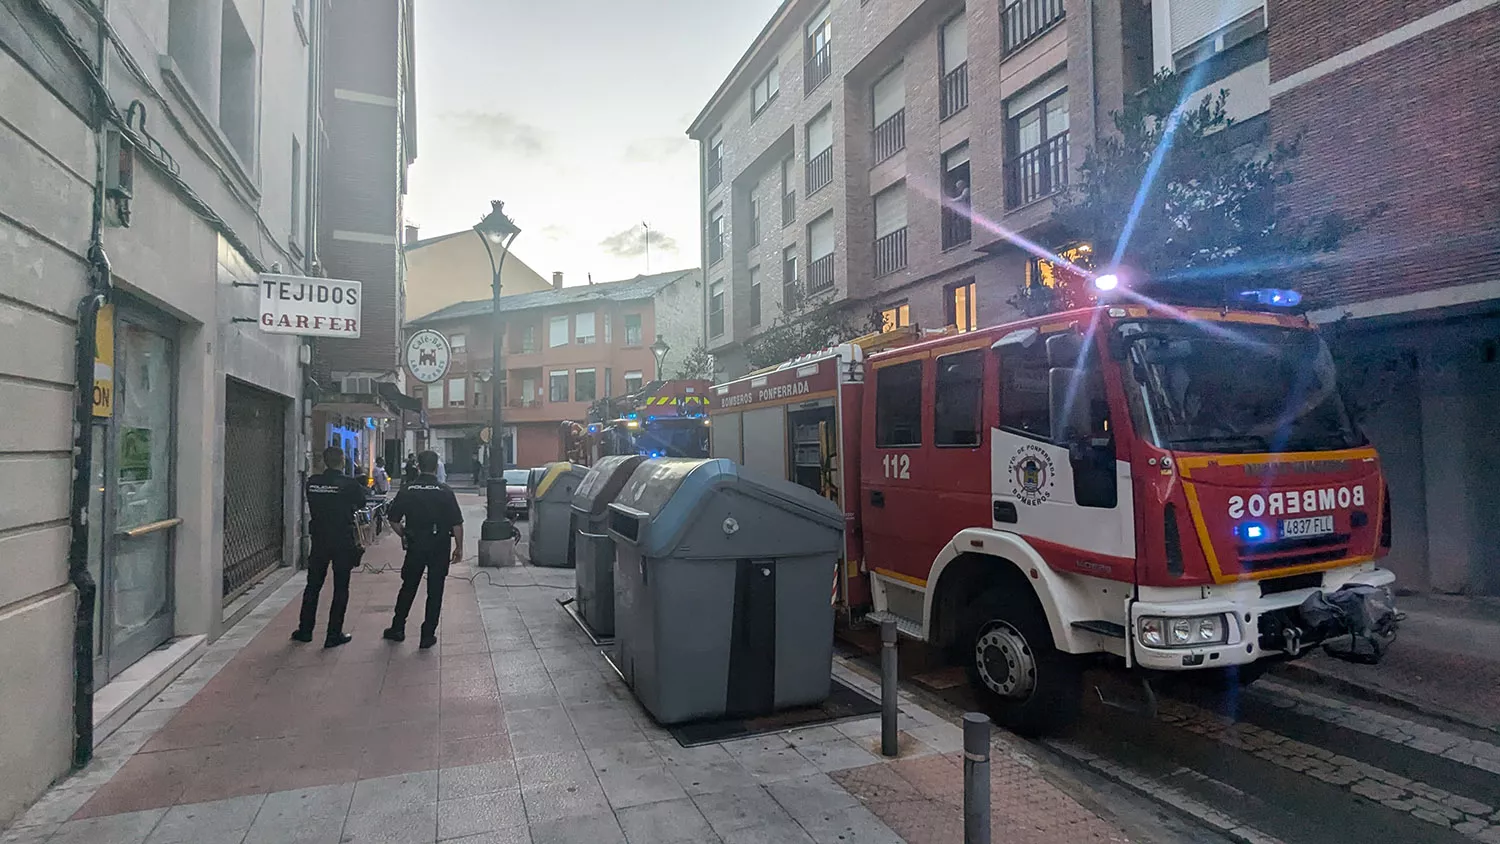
<point>640,287</point>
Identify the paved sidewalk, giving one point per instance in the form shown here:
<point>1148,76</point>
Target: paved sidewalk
<point>1445,662</point>
<point>513,730</point>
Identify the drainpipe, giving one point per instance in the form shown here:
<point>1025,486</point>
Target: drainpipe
<point>85,350</point>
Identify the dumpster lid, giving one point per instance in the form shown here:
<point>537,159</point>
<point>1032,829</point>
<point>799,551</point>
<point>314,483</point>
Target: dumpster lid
<point>604,482</point>
<point>655,482</point>
<point>555,471</point>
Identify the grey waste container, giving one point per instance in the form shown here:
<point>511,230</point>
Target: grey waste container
<point>552,514</point>
<point>593,548</point>
<point>723,584</point>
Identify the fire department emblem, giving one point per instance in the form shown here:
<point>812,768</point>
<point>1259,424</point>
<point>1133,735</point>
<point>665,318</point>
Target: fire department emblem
<point>1031,475</point>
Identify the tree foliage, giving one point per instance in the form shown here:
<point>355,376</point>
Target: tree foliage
<point>806,326</point>
<point>699,364</point>
<point>1209,210</point>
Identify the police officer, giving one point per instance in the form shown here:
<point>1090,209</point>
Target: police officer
<point>427,517</point>
<point>333,498</point>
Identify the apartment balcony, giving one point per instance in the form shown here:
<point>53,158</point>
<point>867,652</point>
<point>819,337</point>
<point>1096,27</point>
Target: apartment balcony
<point>534,410</point>
<point>889,138</point>
<point>819,67</point>
<point>890,252</point>
<point>1023,20</point>
<point>1037,173</point>
<point>819,171</point>
<point>820,274</point>
<point>714,173</point>
<point>788,208</point>
<point>953,93</point>
<point>958,227</point>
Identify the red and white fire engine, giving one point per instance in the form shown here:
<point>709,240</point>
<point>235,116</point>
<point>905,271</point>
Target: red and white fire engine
<point>1167,488</point>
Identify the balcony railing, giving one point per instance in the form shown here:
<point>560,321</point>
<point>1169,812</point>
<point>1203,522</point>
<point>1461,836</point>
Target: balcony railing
<point>890,137</point>
<point>1024,20</point>
<point>715,173</point>
<point>819,68</point>
<point>819,171</point>
<point>1038,172</point>
<point>788,209</point>
<point>958,229</point>
<point>890,252</point>
<point>820,274</point>
<point>954,94</point>
<point>519,403</point>
<point>715,248</point>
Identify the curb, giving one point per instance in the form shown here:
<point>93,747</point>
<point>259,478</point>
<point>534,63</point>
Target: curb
<point>1313,677</point>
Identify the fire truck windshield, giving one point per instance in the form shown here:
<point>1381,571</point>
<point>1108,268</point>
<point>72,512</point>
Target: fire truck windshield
<point>1246,389</point>
<point>673,438</point>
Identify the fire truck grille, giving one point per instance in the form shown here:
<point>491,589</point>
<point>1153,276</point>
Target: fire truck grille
<point>1287,553</point>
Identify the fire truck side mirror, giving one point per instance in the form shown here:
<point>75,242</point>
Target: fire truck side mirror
<point>1065,350</point>
<point>1068,396</point>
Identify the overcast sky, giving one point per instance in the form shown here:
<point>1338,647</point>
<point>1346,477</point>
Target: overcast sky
<point>574,113</point>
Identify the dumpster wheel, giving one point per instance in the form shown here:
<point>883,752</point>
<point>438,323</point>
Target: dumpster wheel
<point>1028,685</point>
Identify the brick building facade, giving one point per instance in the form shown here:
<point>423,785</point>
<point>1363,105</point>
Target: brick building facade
<point>1396,102</point>
<point>979,107</point>
<point>368,140</point>
<point>564,348</point>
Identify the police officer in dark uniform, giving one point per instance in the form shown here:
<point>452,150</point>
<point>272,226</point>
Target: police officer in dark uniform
<point>333,498</point>
<point>426,515</point>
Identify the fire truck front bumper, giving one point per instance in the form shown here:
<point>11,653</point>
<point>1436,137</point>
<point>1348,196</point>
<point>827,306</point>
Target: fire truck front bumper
<point>1187,629</point>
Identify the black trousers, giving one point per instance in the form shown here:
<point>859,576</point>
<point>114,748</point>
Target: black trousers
<point>435,566</point>
<point>342,559</point>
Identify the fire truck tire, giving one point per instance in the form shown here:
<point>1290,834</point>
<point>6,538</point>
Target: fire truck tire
<point>1027,685</point>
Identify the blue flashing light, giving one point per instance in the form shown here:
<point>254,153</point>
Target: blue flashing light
<point>1274,298</point>
<point>1251,531</point>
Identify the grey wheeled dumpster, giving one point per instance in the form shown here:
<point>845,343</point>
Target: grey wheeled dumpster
<point>552,514</point>
<point>723,584</point>
<point>593,548</point>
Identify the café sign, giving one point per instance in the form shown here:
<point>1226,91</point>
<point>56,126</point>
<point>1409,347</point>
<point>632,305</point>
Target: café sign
<point>310,307</point>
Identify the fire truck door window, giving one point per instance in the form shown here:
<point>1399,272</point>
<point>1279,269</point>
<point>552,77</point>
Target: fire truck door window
<point>1095,482</point>
<point>1024,404</point>
<point>956,409</point>
<point>898,405</point>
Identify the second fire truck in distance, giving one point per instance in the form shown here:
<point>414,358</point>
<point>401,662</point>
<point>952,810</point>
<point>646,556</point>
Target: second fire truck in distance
<point>662,419</point>
<point>1169,488</point>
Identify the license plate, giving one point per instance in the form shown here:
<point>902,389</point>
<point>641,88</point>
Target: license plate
<point>1310,526</point>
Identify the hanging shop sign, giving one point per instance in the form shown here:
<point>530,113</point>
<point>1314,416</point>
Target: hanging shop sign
<point>310,307</point>
<point>428,355</point>
<point>104,363</point>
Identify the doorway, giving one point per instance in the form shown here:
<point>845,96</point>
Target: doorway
<point>133,505</point>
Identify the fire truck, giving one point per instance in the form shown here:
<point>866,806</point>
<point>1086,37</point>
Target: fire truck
<point>1164,487</point>
<point>662,419</point>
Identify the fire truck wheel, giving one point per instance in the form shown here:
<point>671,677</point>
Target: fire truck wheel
<point>1029,686</point>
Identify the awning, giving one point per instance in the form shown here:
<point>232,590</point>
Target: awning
<point>356,404</point>
<point>400,400</point>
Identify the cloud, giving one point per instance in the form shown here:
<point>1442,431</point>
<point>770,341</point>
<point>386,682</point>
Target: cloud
<point>556,232</point>
<point>498,130</point>
<point>631,243</point>
<point>656,150</point>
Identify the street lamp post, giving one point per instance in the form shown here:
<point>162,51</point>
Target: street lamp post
<point>496,231</point>
<point>659,350</point>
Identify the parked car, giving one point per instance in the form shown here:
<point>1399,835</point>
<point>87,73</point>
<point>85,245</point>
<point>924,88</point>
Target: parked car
<point>516,481</point>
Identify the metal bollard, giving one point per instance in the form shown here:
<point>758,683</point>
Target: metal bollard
<point>976,778</point>
<point>888,742</point>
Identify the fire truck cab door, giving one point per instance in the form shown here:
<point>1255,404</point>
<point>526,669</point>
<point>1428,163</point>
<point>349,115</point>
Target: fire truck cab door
<point>1056,477</point>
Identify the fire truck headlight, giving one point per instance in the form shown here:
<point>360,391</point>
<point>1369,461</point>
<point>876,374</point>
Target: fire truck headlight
<point>1106,282</point>
<point>1182,631</point>
<point>1189,632</point>
<point>1151,632</point>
